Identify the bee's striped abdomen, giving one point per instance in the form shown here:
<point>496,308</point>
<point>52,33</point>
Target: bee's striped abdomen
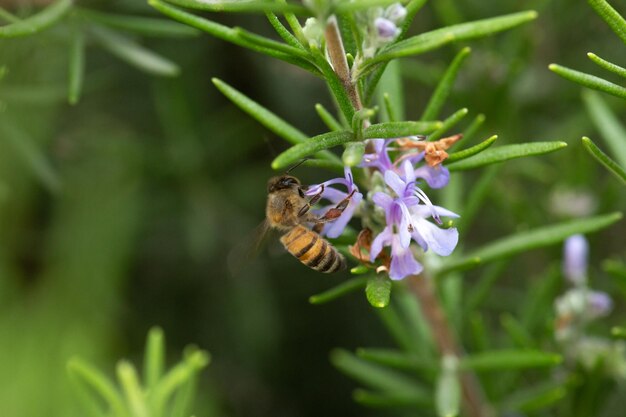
<point>313,250</point>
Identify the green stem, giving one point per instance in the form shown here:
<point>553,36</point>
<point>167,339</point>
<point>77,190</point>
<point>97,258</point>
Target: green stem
<point>474,402</point>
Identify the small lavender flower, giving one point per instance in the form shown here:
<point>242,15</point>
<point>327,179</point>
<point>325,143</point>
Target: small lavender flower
<point>379,158</point>
<point>435,176</point>
<point>575,259</point>
<point>406,221</point>
<point>335,228</point>
<point>396,13</point>
<point>599,304</point>
<point>386,29</point>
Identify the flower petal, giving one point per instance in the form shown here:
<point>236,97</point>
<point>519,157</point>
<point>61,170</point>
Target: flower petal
<point>403,263</point>
<point>383,239</point>
<point>441,241</point>
<point>405,222</point>
<point>395,182</point>
<point>436,177</point>
<point>425,211</point>
<point>382,200</point>
<point>409,172</point>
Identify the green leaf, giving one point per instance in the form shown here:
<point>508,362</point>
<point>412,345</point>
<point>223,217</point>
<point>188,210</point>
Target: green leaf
<point>604,159</point>
<point>226,33</point>
<point>499,360</point>
<point>439,97</point>
<point>37,22</point>
<point>127,375</point>
<point>504,153</point>
<point>328,119</point>
<point>76,65</point>
<point>610,16</point>
<point>339,291</point>
<point>32,155</point>
<point>608,125</point>
<point>516,331</point>
<point>99,383</point>
<point>261,114</point>
<point>282,31</point>
<point>412,8</point>
<point>267,118</point>
<point>399,129</point>
<point>147,26</point>
<point>398,330</point>
<point>437,38</point>
<point>375,376</point>
<point>448,124</point>
<point>397,359</point>
<point>177,376</point>
<point>466,153</point>
<point>448,389</point>
<point>619,332</point>
<point>154,358</point>
<point>378,400</point>
<point>133,53</point>
<point>609,66</point>
<point>415,326</point>
<point>353,154</point>
<point>481,289</point>
<point>589,81</point>
<point>270,44</point>
<point>539,300</point>
<point>537,397</point>
<point>378,291</point>
<point>245,6</point>
<point>8,17</point>
<point>313,145</point>
<point>334,165</point>
<point>531,239</point>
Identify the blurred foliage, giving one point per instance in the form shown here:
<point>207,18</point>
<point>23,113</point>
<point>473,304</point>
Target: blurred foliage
<point>117,213</point>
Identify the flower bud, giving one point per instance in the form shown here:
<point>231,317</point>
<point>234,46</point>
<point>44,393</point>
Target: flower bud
<point>313,31</point>
<point>386,29</point>
<point>396,13</point>
<point>575,259</point>
<point>599,304</point>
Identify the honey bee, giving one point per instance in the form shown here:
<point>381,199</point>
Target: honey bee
<point>288,210</point>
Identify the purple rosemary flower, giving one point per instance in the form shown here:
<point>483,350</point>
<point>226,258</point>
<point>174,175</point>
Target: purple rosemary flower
<point>335,228</point>
<point>386,29</point>
<point>396,13</point>
<point>435,176</point>
<point>599,304</point>
<point>379,158</point>
<point>575,259</point>
<point>406,221</point>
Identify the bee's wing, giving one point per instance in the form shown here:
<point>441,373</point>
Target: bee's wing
<point>244,253</point>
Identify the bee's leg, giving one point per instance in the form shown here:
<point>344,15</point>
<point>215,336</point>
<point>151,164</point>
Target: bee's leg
<point>332,213</point>
<point>305,209</point>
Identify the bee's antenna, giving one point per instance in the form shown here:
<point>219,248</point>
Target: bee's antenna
<point>291,168</point>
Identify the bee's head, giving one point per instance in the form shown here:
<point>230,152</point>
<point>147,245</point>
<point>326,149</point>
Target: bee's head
<point>282,182</point>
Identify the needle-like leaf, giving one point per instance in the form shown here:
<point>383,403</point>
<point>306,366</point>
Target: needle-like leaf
<point>528,240</point>
<point>589,81</point>
<point>504,153</point>
<point>37,22</point>
<point>604,159</point>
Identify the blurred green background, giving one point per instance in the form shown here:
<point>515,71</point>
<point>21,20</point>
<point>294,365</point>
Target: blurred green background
<point>118,213</point>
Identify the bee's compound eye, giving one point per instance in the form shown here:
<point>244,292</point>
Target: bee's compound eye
<point>288,182</point>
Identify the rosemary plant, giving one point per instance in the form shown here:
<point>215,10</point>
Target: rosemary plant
<point>393,178</point>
